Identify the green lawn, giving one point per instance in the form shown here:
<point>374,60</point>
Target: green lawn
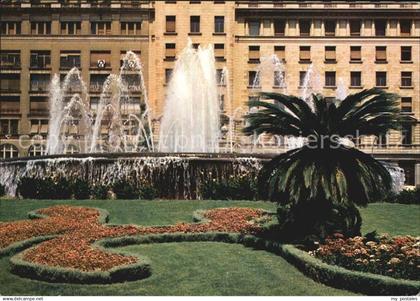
<point>200,268</point>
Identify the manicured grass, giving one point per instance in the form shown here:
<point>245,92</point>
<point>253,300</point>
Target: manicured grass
<point>200,268</point>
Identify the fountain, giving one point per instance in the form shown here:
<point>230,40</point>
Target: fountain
<point>115,137</point>
<point>191,115</point>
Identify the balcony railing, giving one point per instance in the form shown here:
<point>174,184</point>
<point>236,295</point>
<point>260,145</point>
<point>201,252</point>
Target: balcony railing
<point>39,86</point>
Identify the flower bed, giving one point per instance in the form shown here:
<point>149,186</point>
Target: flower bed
<point>398,257</point>
<point>77,228</point>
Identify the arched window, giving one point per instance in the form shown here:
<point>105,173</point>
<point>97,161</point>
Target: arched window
<point>71,149</point>
<point>8,151</point>
<point>37,150</point>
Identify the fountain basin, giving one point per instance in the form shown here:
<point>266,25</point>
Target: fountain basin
<point>175,175</point>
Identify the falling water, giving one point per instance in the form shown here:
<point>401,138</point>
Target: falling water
<point>341,91</point>
<point>191,118</point>
<point>105,129</point>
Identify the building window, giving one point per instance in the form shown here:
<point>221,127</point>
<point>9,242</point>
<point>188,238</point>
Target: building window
<point>39,82</point>
<point>355,27</point>
<point>40,28</point>
<point>195,24</point>
<point>100,28</point>
<point>170,24</point>
<point>406,79</point>
<point>381,54</point>
<point>195,45</point>
<point>9,104</point>
<point>279,77</point>
<point>170,51</point>
<point>10,28</point>
<point>381,79</point>
<point>219,51</point>
<point>9,127</point>
<point>40,59</point>
<point>253,79</point>
<point>330,26</point>
<point>70,28</point>
<point>254,28</point>
<point>407,134</point>
<point>330,78</point>
<point>302,75</point>
<point>330,55</point>
<point>100,59</point>
<point>97,81</point>
<point>37,150</point>
<point>8,151</point>
<point>10,59</point>
<point>69,59</point>
<point>405,28</point>
<point>305,54</point>
<point>254,54</point>
<point>380,27</point>
<point>168,75</point>
<point>304,28</point>
<point>355,53</point>
<point>220,79</point>
<point>279,27</point>
<point>130,28</point>
<point>9,83</point>
<point>406,105</point>
<point>355,78</point>
<point>219,24</point>
<point>406,53</point>
<point>280,52</point>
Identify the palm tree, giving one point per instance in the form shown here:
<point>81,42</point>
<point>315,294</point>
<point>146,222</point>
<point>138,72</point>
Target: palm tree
<point>318,185</point>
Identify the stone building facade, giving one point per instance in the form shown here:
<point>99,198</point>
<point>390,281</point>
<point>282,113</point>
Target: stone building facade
<point>356,44</point>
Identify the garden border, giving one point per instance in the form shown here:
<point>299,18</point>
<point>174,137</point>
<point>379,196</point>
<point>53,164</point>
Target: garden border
<point>334,276</point>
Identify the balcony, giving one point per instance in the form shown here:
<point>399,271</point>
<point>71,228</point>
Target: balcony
<point>39,86</point>
<point>9,107</point>
<point>39,108</point>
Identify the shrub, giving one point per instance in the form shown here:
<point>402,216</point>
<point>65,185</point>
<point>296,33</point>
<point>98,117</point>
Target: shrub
<point>29,188</point>
<point>33,188</point>
<point>99,192</point>
<point>233,189</point>
<point>148,192</point>
<point>406,196</point>
<point>81,190</point>
<point>125,190</point>
<point>2,190</point>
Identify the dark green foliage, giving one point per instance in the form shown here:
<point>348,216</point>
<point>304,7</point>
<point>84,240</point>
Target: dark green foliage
<point>2,190</point>
<point>148,192</point>
<point>125,190</point>
<point>33,188</point>
<point>61,189</point>
<point>324,173</point>
<point>240,188</point>
<point>99,191</point>
<point>81,190</point>
<point>405,196</point>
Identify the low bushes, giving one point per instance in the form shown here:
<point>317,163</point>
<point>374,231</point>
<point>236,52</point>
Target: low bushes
<point>241,188</point>
<point>406,196</point>
<point>2,190</point>
<point>34,188</point>
<point>397,257</point>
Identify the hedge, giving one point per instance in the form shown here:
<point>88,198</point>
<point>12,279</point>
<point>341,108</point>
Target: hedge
<point>334,276</point>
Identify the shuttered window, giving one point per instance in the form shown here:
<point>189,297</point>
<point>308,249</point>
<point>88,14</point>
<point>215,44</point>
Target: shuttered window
<point>170,50</point>
<point>305,53</point>
<point>254,53</point>
<point>355,53</point>
<point>381,53</point>
<point>330,53</point>
<point>170,23</point>
<point>280,51</point>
